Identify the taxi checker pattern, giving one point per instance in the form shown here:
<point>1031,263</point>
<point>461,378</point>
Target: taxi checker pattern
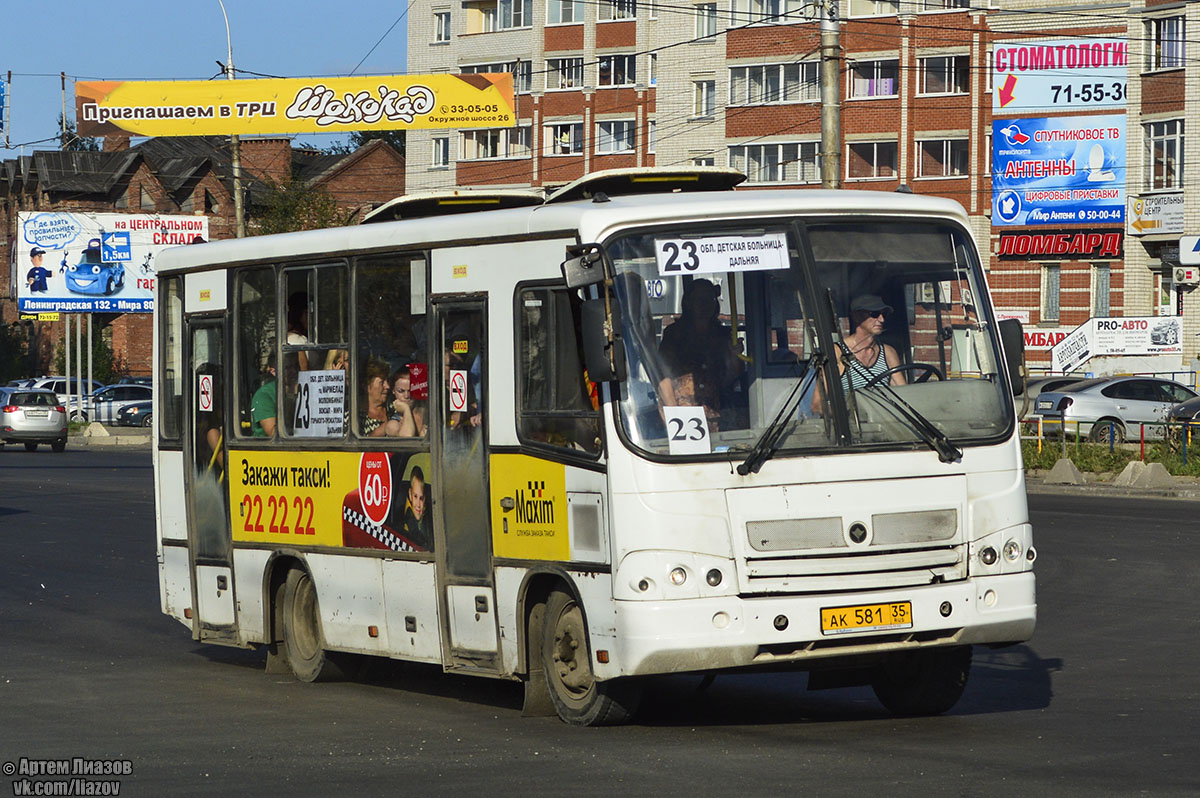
<point>377,531</point>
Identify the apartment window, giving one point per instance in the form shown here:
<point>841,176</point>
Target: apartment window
<point>1164,154</point>
<point>614,136</point>
<point>441,151</point>
<point>651,136</point>
<point>522,72</point>
<point>618,70</point>
<point>873,8</point>
<point>514,13</point>
<point>617,9</point>
<point>943,158</point>
<point>508,142</point>
<point>706,160</point>
<point>1101,287</point>
<point>1050,292</point>
<point>564,138</point>
<point>1166,43</point>
<point>653,69</point>
<point>706,20</point>
<point>875,78</point>
<point>942,5</point>
<point>145,200</point>
<point>564,73</point>
<point>944,74</point>
<point>871,159</point>
<point>791,162</point>
<point>441,26</point>
<point>774,83</point>
<point>776,12</point>
<point>987,153</point>
<point>564,11</point>
<point>704,97</point>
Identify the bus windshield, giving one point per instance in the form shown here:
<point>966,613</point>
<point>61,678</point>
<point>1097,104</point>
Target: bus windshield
<point>723,340</point>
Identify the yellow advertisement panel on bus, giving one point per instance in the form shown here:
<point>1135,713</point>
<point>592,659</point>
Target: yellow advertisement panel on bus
<point>293,105</point>
<point>533,526</point>
<point>371,500</point>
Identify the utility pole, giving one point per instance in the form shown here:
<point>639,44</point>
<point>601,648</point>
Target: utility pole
<point>235,144</point>
<point>831,106</point>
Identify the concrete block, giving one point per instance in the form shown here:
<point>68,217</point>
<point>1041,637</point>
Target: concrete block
<point>1155,475</point>
<point>1064,472</point>
<point>96,430</point>
<point>1132,471</point>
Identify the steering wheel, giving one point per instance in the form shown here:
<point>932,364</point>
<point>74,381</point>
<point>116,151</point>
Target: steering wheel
<point>928,369</point>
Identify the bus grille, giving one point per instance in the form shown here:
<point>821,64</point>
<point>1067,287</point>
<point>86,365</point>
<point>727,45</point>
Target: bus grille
<point>862,570</point>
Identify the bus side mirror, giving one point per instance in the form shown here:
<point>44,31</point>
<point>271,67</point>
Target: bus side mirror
<point>1012,339</point>
<point>584,266</point>
<point>603,355</point>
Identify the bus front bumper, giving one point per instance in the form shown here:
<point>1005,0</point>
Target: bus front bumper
<point>731,632</point>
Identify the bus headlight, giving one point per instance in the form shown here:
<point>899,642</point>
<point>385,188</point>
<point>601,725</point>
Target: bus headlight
<point>713,577</point>
<point>678,576</point>
<point>987,556</point>
<point>650,575</point>
<point>1012,551</point>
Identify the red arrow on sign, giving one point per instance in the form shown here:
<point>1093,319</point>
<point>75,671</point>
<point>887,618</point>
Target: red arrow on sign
<point>1006,91</point>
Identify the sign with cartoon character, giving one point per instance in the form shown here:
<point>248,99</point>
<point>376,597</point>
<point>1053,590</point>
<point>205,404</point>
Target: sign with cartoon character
<point>1068,170</point>
<point>95,262</point>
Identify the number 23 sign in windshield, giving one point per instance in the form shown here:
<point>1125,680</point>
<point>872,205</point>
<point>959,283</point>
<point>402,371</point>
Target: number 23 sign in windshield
<point>720,254</point>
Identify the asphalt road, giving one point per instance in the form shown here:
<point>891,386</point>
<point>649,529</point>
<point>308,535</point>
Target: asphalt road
<point>1103,700</point>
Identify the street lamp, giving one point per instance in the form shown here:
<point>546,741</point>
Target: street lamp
<point>235,144</point>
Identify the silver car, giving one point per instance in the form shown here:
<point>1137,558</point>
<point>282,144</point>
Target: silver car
<point>1113,406</point>
<point>106,403</point>
<point>31,416</point>
<point>1035,386</point>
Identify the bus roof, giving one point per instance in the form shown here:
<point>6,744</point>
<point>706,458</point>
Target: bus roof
<point>584,219</point>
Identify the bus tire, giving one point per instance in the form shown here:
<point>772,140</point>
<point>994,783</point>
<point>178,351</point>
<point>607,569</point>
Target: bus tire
<point>302,636</point>
<point>927,681</point>
<point>578,698</point>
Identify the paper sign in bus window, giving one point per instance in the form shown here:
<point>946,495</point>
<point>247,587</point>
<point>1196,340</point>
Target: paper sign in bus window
<point>320,404</point>
<point>720,254</point>
<point>458,391</point>
<point>687,430</point>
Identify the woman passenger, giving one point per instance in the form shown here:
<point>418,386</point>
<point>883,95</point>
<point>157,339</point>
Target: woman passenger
<point>375,390</point>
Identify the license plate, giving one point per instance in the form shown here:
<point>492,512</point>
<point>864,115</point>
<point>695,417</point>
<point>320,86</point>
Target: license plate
<point>866,618</point>
<point>1045,404</point>
<point>37,413</point>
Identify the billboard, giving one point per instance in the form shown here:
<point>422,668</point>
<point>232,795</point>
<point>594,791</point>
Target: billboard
<point>1118,335</point>
<point>1058,75</point>
<point>1156,213</point>
<point>293,105</point>
<point>1061,170</point>
<point>95,262</point>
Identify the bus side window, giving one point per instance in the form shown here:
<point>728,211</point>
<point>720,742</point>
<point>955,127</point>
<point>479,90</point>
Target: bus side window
<point>171,360</point>
<point>557,405</point>
<point>255,328</point>
<point>391,376</point>
<point>314,396</point>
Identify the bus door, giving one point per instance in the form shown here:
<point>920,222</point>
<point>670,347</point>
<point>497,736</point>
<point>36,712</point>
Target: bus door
<point>463,526</point>
<point>209,541</point>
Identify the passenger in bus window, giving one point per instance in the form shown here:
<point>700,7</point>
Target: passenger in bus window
<point>337,359</point>
<point>401,421</point>
<point>297,318</point>
<point>375,389</point>
<point>264,404</point>
<point>697,353</point>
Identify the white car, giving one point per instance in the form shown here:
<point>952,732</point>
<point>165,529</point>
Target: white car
<point>106,403</point>
<point>66,390</point>
<point>1119,408</point>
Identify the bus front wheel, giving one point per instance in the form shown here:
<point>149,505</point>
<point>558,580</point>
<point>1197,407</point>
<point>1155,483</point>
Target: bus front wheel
<point>927,681</point>
<point>302,630</point>
<point>567,662</point>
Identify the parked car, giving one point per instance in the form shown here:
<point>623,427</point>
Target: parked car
<point>104,404</point>
<point>138,414</point>
<point>26,382</point>
<point>127,380</point>
<point>31,416</point>
<point>91,275</point>
<point>1115,406</point>
<point>65,389</point>
<point>1034,386</point>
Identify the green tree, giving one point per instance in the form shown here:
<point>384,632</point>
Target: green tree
<point>295,205</point>
<point>13,352</point>
<point>73,142</point>
<point>358,138</point>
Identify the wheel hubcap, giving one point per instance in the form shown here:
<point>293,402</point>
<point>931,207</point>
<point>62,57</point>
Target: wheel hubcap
<point>571,666</point>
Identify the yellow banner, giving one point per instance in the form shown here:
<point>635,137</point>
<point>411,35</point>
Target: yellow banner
<point>536,526</point>
<point>293,105</point>
<point>373,500</point>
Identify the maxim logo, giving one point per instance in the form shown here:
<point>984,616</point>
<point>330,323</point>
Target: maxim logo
<point>531,507</point>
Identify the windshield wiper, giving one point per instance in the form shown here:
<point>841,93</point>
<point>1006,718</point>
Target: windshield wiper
<point>937,440</point>
<point>768,442</point>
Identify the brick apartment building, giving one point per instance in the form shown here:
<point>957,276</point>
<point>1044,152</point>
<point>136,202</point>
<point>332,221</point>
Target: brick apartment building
<point>622,83</point>
<point>171,176</point>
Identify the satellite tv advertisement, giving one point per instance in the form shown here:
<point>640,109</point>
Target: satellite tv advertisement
<point>95,262</point>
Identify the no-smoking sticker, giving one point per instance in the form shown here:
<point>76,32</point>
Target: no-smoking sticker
<point>205,393</point>
<point>458,391</point>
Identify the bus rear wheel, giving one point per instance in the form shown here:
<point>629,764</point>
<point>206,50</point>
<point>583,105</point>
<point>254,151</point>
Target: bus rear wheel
<point>578,698</point>
<point>302,630</point>
<point>923,682</point>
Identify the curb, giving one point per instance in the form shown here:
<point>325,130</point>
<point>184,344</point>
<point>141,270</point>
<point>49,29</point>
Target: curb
<point>1182,492</point>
